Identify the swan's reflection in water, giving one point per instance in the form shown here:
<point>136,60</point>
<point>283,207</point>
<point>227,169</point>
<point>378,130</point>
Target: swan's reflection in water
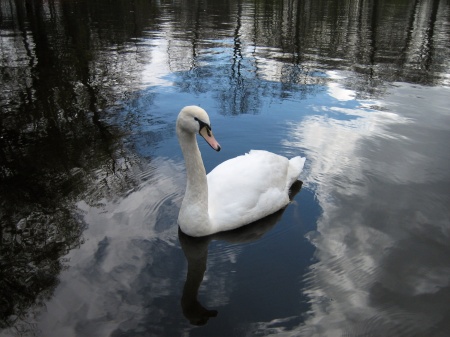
<point>196,251</point>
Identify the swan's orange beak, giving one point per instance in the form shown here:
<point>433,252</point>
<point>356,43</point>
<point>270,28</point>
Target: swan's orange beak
<point>207,134</point>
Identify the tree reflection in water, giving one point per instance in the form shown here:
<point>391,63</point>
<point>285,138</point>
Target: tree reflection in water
<point>30,259</point>
<point>54,144</point>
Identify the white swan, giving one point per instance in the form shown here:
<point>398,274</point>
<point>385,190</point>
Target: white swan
<point>238,191</point>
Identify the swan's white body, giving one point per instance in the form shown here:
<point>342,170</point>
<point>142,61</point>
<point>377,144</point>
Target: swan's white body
<point>238,191</point>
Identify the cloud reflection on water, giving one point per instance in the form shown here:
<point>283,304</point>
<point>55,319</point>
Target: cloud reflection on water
<point>382,242</point>
<point>119,280</point>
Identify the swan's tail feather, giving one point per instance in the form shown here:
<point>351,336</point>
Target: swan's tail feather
<point>295,168</point>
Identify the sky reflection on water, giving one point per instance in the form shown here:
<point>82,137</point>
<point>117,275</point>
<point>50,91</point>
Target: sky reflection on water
<point>383,234</point>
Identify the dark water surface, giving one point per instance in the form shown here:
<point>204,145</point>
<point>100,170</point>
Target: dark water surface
<point>92,177</point>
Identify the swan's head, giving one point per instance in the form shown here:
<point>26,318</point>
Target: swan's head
<point>193,119</point>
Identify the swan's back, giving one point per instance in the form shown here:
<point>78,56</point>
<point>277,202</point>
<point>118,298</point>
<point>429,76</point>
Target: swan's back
<point>249,187</point>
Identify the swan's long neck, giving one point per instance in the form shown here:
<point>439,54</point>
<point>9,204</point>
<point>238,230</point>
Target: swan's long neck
<point>193,217</point>
<point>197,185</point>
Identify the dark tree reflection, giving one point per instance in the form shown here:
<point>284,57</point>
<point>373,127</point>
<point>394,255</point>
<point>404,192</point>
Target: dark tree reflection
<point>56,87</point>
<point>296,43</point>
<point>31,259</point>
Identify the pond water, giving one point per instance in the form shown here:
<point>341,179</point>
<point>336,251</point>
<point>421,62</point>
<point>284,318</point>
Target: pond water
<point>92,176</point>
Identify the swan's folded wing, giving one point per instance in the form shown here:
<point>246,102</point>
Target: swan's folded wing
<point>247,188</point>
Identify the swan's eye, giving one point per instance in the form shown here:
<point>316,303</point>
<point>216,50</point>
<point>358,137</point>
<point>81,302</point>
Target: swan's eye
<point>203,125</point>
